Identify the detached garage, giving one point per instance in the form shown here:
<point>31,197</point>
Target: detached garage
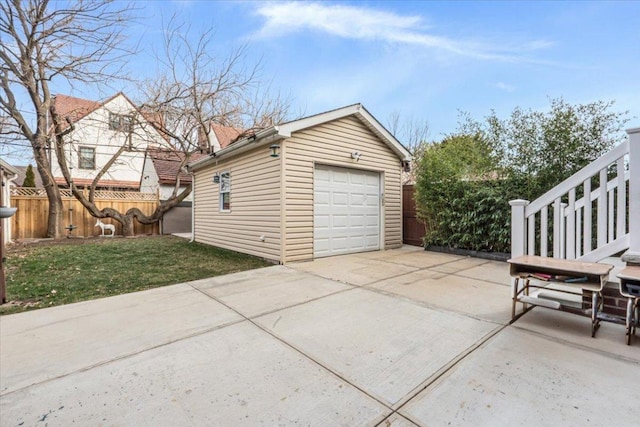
<point>328,184</point>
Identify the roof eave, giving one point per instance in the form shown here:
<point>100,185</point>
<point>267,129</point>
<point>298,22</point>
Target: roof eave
<point>285,130</point>
<point>262,137</point>
<point>374,125</point>
<point>362,114</point>
<point>6,166</point>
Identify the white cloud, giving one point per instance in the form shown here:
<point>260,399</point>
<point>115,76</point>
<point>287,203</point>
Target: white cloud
<point>369,24</point>
<point>504,86</point>
<point>343,21</point>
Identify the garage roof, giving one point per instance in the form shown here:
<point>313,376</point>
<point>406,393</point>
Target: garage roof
<point>284,130</point>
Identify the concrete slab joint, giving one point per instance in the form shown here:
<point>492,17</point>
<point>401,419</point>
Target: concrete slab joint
<point>393,338</point>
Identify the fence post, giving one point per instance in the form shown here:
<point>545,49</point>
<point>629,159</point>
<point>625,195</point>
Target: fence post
<point>518,227</point>
<point>633,254</point>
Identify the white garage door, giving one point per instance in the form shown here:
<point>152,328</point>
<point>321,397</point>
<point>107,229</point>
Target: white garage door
<point>346,213</point>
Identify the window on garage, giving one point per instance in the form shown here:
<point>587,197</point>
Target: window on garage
<point>225,191</point>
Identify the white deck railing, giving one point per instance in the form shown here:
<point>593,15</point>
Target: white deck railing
<point>598,224</point>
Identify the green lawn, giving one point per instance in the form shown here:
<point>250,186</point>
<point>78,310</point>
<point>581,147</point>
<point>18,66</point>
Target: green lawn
<point>55,273</point>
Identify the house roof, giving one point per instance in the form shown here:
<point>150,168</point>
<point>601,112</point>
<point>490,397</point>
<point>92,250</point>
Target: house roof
<point>225,134</point>
<point>285,130</point>
<point>167,165</point>
<point>74,108</point>
<point>22,174</point>
<point>77,108</point>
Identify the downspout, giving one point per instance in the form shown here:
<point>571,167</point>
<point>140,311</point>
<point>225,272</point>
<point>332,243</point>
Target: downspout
<point>9,183</point>
<point>193,206</point>
<point>5,190</point>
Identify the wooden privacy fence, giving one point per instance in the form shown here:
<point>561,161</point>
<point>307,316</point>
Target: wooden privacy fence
<point>30,221</point>
<point>413,230</point>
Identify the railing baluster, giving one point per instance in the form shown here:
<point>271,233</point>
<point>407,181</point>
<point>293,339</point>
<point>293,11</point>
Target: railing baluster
<point>610,216</point>
<point>531,235</point>
<point>586,234</point>
<point>563,231</point>
<point>543,230</point>
<point>557,228</point>
<point>602,210</point>
<point>571,225</point>
<point>621,226</point>
<point>578,233</point>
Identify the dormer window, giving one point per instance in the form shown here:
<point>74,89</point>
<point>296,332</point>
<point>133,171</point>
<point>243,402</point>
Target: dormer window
<point>120,122</point>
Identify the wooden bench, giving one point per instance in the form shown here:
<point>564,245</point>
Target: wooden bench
<point>630,288</point>
<point>557,284</point>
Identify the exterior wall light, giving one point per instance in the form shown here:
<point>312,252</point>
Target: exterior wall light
<point>216,178</point>
<point>356,155</point>
<point>275,150</point>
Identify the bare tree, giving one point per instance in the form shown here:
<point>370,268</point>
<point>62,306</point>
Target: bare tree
<point>195,91</point>
<point>42,45</point>
<point>412,132</point>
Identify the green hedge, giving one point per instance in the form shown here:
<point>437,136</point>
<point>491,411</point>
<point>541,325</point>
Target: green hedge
<point>464,183</point>
<point>472,215</point>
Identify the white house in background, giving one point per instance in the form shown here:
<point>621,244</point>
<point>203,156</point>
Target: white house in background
<point>160,174</point>
<point>101,128</point>
<point>221,136</point>
<point>161,171</point>
<point>7,174</point>
<point>162,168</point>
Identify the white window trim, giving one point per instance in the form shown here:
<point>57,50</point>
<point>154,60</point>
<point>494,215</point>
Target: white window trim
<point>220,192</point>
<point>80,157</point>
<point>120,122</point>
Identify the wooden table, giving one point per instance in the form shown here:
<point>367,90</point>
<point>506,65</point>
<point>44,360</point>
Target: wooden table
<point>541,281</point>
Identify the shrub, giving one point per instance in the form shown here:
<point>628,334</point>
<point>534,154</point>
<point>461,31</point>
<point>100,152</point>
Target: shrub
<point>464,183</point>
<point>29,178</point>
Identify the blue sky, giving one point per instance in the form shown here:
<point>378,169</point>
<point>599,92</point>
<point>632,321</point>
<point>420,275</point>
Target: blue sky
<point>424,60</point>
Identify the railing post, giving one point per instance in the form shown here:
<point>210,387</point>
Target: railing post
<point>633,254</point>
<point>518,227</point>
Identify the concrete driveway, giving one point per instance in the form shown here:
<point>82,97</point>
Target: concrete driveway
<point>395,338</point>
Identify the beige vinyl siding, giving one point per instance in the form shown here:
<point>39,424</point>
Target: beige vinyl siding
<point>332,144</point>
<point>255,205</point>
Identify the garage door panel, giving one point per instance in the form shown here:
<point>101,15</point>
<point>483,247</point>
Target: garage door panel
<point>340,198</point>
<point>322,221</point>
<point>339,176</point>
<point>372,180</point>
<point>358,199</point>
<point>357,242</point>
<point>321,245</point>
<point>346,211</point>
<point>340,243</point>
<point>341,221</point>
<point>358,179</point>
<point>357,221</point>
<point>373,221</point>
<point>322,197</point>
<point>372,241</point>
<point>321,175</point>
